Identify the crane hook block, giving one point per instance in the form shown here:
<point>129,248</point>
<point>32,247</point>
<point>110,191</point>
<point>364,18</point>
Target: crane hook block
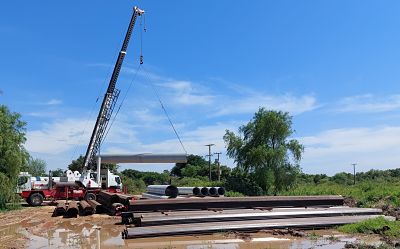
<point>141,59</point>
<point>138,11</point>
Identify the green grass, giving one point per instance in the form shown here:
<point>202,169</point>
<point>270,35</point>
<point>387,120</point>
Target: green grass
<point>371,226</point>
<point>233,194</point>
<point>314,236</point>
<point>367,194</point>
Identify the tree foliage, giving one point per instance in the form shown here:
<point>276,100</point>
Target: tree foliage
<point>197,167</point>
<point>241,182</point>
<point>77,165</point>
<point>13,155</point>
<point>149,178</point>
<point>57,173</point>
<point>35,166</point>
<point>263,150</point>
<point>194,160</point>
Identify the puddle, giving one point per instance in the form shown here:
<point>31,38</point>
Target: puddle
<point>27,229</point>
<point>108,236</point>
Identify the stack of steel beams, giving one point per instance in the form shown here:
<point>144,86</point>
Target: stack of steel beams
<point>207,215</point>
<point>234,203</point>
<point>241,225</point>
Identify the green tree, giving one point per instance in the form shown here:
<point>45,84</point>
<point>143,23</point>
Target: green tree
<point>263,150</point>
<point>57,173</point>
<point>77,165</point>
<point>13,155</point>
<point>35,166</point>
<point>12,137</point>
<point>149,178</point>
<point>194,160</point>
<point>242,182</point>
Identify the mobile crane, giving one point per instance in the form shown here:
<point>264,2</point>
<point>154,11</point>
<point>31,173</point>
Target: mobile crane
<point>87,184</point>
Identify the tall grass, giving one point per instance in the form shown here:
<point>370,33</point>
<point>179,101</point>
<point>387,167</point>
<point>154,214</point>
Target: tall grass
<point>378,225</point>
<point>367,193</point>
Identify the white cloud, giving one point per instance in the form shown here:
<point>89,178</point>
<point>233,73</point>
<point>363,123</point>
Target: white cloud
<point>57,137</point>
<point>250,104</point>
<point>334,150</point>
<point>186,93</point>
<point>44,114</point>
<point>54,102</point>
<point>369,103</point>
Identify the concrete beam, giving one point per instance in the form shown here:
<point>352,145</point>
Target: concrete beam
<point>144,158</point>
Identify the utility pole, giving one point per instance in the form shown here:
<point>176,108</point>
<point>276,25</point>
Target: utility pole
<point>219,165</point>
<point>354,173</point>
<point>209,159</point>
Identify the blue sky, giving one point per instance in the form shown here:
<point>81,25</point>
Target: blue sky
<point>332,64</point>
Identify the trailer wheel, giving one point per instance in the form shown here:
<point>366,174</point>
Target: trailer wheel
<point>90,196</point>
<point>36,199</point>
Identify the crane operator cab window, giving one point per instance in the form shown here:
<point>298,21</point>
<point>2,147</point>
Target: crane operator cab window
<point>23,183</point>
<point>118,180</point>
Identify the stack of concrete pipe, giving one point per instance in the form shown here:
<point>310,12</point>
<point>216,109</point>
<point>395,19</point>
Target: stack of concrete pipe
<point>170,191</point>
<point>161,192</point>
<point>201,191</point>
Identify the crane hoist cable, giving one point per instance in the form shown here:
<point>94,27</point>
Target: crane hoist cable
<point>143,27</point>
<point>165,110</point>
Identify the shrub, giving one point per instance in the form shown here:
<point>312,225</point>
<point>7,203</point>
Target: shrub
<point>8,199</point>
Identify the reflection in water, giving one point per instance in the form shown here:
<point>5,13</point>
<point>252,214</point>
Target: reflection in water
<point>102,233</point>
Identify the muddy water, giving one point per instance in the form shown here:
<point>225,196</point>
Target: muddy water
<point>89,233</point>
<point>35,228</point>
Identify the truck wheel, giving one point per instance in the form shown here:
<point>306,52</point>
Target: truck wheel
<point>90,196</point>
<point>36,199</point>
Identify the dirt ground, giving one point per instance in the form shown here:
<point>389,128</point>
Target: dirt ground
<point>33,227</point>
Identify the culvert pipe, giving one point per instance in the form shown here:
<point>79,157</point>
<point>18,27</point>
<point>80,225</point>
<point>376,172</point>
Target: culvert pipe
<point>167,190</point>
<point>212,191</point>
<point>197,191</point>
<point>204,191</point>
<point>221,190</point>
